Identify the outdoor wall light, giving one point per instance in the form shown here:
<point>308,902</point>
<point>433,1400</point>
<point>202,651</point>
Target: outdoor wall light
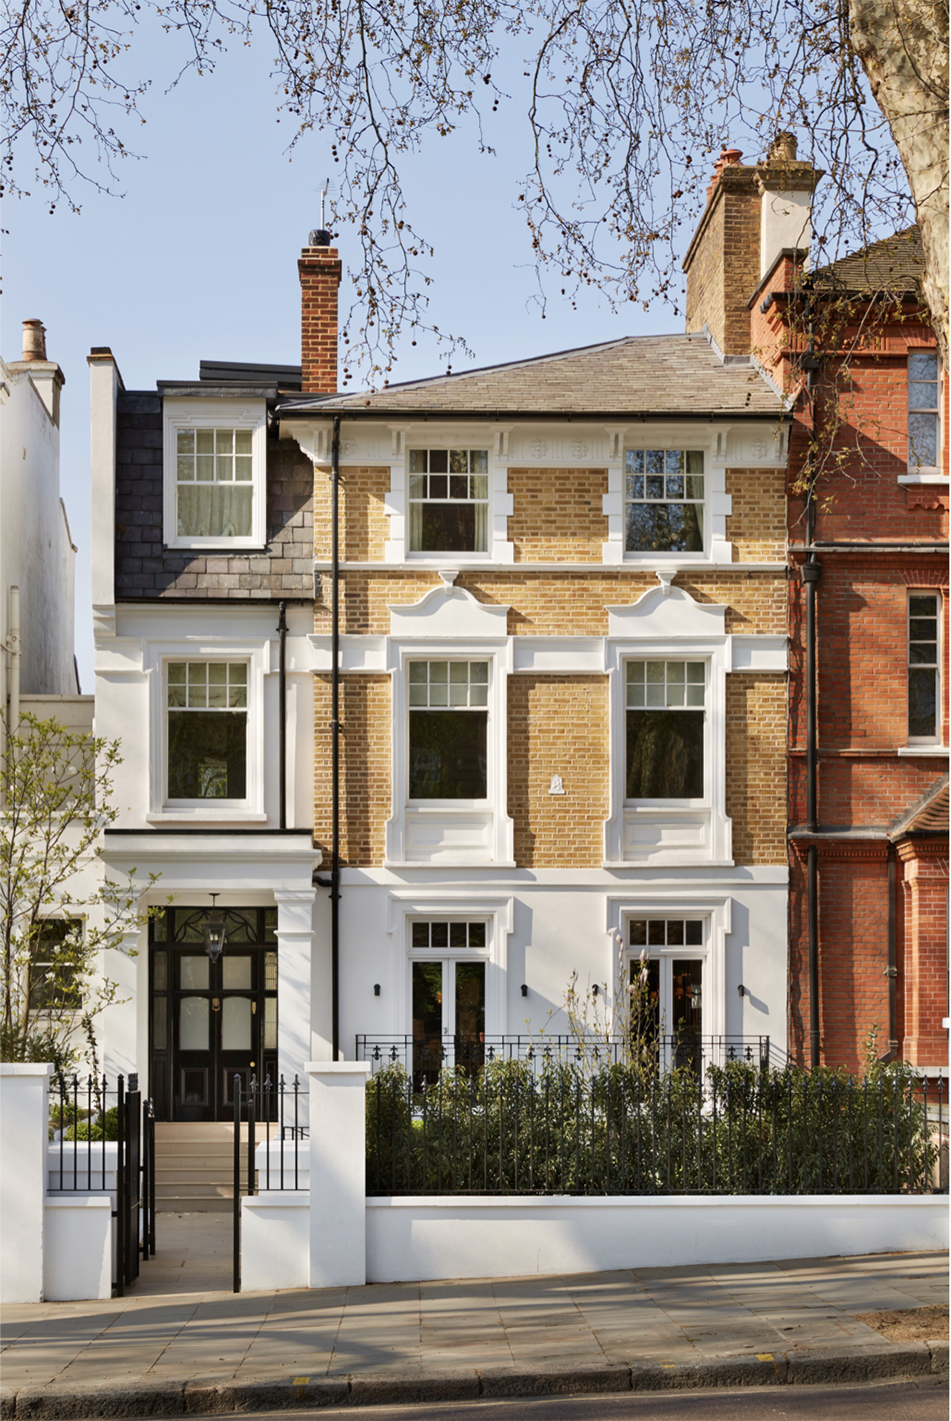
<point>524,990</point>
<point>741,991</point>
<point>376,989</point>
<point>214,932</point>
<point>595,990</point>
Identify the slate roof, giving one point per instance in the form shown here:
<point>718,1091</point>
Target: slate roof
<point>640,375</point>
<point>893,264</point>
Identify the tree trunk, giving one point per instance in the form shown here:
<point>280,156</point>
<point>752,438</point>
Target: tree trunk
<point>903,46</point>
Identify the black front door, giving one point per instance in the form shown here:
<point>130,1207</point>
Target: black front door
<point>216,1030</point>
<point>211,1021</point>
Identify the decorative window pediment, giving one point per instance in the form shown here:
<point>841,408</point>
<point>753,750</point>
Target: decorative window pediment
<point>668,657</point>
<point>448,611</point>
<point>449,656</point>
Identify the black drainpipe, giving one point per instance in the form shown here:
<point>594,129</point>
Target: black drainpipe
<point>891,971</point>
<point>335,742</point>
<point>282,712</point>
<point>811,572</point>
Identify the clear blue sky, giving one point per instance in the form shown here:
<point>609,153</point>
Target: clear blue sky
<point>198,260</point>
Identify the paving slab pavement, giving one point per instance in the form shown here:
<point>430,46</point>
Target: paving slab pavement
<point>181,1341</point>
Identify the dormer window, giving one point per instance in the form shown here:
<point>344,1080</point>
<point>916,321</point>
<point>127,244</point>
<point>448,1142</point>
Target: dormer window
<point>448,500</point>
<point>214,492</point>
<point>215,454</point>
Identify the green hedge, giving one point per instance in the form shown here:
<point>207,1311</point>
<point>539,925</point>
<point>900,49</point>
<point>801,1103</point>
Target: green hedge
<point>513,1129</point>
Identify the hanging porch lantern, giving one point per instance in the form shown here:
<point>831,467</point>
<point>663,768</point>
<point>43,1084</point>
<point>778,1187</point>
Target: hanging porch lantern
<point>214,931</point>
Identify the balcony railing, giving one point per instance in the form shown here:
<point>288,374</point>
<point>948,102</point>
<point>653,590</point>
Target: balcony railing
<point>424,1059</point>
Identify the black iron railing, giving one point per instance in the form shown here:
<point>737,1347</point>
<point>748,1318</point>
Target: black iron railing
<point>425,1059</point>
<point>512,1129</point>
<point>102,1141</point>
<point>271,1145</point>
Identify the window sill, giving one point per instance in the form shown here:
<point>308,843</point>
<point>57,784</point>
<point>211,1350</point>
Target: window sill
<point>206,816</point>
<point>694,862</point>
<point>454,863</point>
<point>920,750</point>
<point>232,545</point>
<point>924,476</point>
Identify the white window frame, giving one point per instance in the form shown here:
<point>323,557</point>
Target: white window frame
<point>686,446</point>
<point>407,906</point>
<point>208,413</point>
<point>716,914</point>
<point>448,957</point>
<point>64,913</point>
<point>494,439</point>
<point>200,811</point>
<point>935,739</point>
<point>442,555</point>
<point>706,798</point>
<point>666,624</point>
<point>918,473</point>
<point>478,831</point>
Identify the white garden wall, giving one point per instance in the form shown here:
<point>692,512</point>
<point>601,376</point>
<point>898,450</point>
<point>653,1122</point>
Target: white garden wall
<point>275,1242</point>
<point>78,1244</point>
<point>453,1237</point>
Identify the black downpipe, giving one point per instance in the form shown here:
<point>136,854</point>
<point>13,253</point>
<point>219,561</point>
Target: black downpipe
<point>891,971</point>
<point>335,741</point>
<point>811,573</point>
<point>282,711</point>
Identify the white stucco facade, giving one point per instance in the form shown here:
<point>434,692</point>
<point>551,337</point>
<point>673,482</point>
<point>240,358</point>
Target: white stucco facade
<point>36,551</point>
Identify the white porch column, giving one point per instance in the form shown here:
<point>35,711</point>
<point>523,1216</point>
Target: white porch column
<point>24,1105</point>
<point>338,1230</point>
<point>295,935</point>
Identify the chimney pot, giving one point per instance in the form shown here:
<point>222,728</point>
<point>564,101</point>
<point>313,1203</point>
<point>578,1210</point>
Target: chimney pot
<point>728,156</point>
<point>34,340</point>
<point>783,148</point>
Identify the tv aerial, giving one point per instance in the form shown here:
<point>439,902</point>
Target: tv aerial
<point>321,237</point>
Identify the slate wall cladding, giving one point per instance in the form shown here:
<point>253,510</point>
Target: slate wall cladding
<point>146,569</point>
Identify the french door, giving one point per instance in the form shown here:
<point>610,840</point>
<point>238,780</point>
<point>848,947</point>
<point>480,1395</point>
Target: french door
<point>448,1015</point>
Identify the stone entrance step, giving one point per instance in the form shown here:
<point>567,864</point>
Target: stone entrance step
<point>194,1164</point>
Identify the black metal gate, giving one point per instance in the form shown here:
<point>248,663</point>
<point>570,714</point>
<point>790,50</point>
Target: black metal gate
<point>84,1113</point>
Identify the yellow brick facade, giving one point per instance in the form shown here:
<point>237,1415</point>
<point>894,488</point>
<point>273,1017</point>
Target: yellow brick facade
<point>557,514</point>
<point>364,526</point>
<point>365,740</point>
<point>558,725</point>
<point>569,603</point>
<point>757,525</point>
<point>756,766</point>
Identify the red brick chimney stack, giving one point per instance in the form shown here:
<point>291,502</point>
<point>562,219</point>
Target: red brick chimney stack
<point>728,157</point>
<point>754,213</point>
<point>319,269</point>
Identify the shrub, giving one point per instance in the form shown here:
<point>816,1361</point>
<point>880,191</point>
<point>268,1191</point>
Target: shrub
<point>513,1128</point>
<point>93,1129</point>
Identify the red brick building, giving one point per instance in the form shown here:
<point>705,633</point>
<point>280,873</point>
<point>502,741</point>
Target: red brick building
<point>868,609</point>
